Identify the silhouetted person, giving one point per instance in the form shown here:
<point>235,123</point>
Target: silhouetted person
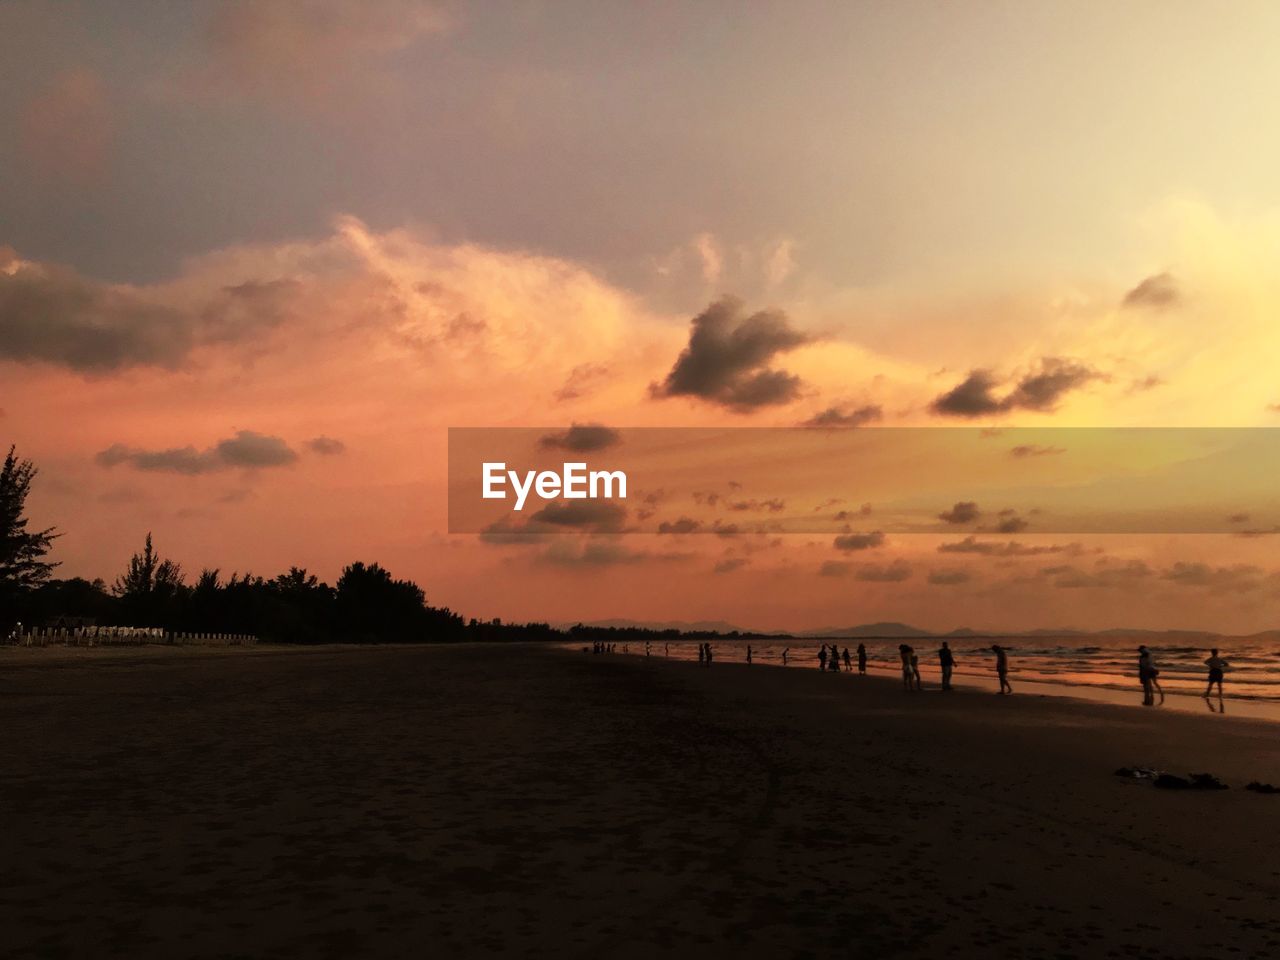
<point>748,654</point>
<point>915,669</point>
<point>646,648</point>
<point>1217,666</point>
<point>1147,673</point>
<point>848,663</point>
<point>785,651</point>
<point>908,678</point>
<point>946,661</point>
<point>709,657</point>
<point>666,649</point>
<point>1002,668</point>
<point>862,658</point>
<point>822,658</point>
<point>833,664</point>
<point>702,653</point>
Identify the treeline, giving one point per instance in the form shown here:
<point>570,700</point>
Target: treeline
<point>366,605</point>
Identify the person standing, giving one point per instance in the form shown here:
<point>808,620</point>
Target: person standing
<point>1002,668</point>
<point>862,659</point>
<point>785,651</point>
<point>946,661</point>
<point>848,663</point>
<point>908,677</point>
<point>1147,675</point>
<point>748,654</point>
<point>1217,667</point>
<point>822,658</point>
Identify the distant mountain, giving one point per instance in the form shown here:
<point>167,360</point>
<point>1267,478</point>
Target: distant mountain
<point>887,629</point>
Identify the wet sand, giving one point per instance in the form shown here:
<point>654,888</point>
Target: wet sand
<point>529,801</point>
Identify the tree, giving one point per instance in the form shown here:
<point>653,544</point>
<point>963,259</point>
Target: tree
<point>151,585</point>
<point>22,566</point>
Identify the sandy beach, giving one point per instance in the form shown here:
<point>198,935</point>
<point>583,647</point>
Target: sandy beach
<point>530,801</point>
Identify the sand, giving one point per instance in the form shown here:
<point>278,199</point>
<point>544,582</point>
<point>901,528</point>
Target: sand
<point>527,801</point>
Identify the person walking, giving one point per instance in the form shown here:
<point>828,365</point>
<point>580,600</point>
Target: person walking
<point>946,661</point>
<point>1002,668</point>
<point>1148,673</point>
<point>1217,667</point>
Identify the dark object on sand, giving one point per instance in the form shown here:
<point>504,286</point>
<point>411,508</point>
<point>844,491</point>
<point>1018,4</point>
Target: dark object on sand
<point>1196,781</point>
<point>1137,773</point>
<point>1257,787</point>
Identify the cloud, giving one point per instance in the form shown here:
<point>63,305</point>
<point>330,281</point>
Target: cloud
<point>840,416</point>
<point>682,525</point>
<point>1156,292</point>
<point>859,541</point>
<point>964,511</point>
<point>582,380</point>
<point>948,578</point>
<point>307,50</point>
<point>66,130</point>
<point>1011,548</point>
<point>581,439</point>
<point>326,446</point>
<point>246,449</point>
<point>51,314</point>
<point>972,397</point>
<point>1238,578</point>
<point>1104,577</point>
<point>1012,524</point>
<point>599,516</point>
<point>894,572</point>
<point>834,568</point>
<point>1040,390</point>
<point>729,565</point>
<point>1024,450</point>
<point>726,359</point>
<point>757,506</point>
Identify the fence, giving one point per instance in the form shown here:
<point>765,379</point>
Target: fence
<point>123,637</point>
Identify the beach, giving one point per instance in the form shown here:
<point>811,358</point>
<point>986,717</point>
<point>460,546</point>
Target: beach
<point>523,800</point>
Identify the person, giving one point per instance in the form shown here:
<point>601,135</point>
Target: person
<point>646,648</point>
<point>785,651</point>
<point>709,654</point>
<point>1147,673</point>
<point>666,649</point>
<point>848,663</point>
<point>904,653</point>
<point>834,663</point>
<point>822,658</point>
<point>946,661</point>
<point>702,653</point>
<point>1217,666</point>
<point>862,659</point>
<point>1002,668</point>
<point>748,654</point>
<point>915,668</point>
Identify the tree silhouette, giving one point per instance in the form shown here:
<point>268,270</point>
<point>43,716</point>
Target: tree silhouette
<point>151,587</point>
<point>22,566</point>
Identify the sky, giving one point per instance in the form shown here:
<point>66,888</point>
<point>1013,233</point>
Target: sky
<point>257,258</point>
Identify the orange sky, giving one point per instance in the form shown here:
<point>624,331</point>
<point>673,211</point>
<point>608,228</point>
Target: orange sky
<point>252,269</point>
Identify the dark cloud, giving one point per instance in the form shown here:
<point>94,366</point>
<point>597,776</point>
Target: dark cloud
<point>581,438</point>
<point>894,572</point>
<point>1103,577</point>
<point>770,506</point>
<point>593,553</point>
<point>1040,390</point>
<point>729,565</point>
<point>859,541</point>
<point>326,446</point>
<point>973,397</point>
<point>1154,293</point>
<point>834,568</point>
<point>964,511</point>
<point>846,416</point>
<point>1011,548</point>
<point>1011,525</point>
<point>948,578</point>
<point>682,525</point>
<point>727,356</point>
<point>246,449</point>
<point>599,516</point>
<point>51,314</point>
<point>1239,578</point>
<point>1023,450</point>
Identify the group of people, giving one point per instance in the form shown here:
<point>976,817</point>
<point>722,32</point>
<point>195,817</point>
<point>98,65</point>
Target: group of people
<point>947,662</point>
<point>1149,675</point>
<point>830,659</point>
